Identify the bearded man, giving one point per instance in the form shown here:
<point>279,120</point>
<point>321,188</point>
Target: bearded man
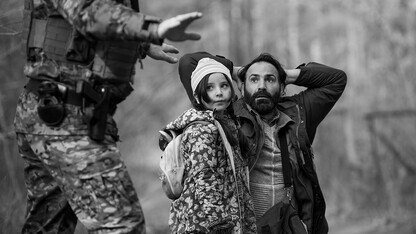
<point>264,112</point>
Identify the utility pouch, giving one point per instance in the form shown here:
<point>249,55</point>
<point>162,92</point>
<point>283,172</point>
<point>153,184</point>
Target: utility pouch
<point>96,116</point>
<point>51,109</point>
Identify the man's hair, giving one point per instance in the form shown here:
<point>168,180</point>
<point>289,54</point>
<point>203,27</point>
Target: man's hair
<point>268,58</point>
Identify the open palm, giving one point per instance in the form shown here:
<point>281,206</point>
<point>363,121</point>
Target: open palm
<point>174,28</point>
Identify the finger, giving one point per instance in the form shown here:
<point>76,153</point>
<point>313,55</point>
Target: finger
<point>192,36</point>
<point>170,59</point>
<point>172,23</point>
<point>169,49</point>
<point>189,16</point>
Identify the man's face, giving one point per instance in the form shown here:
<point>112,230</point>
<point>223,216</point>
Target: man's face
<point>262,87</point>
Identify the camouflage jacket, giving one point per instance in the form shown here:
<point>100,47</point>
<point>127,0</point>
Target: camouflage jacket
<point>93,21</point>
<point>211,197</point>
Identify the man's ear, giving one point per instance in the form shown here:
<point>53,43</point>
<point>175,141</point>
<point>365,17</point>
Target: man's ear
<point>282,90</point>
<point>239,84</point>
<point>242,88</point>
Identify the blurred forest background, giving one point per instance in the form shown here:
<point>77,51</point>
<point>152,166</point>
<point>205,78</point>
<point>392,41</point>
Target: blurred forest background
<point>365,149</point>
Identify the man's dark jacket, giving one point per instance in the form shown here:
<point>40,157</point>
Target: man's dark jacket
<point>308,108</point>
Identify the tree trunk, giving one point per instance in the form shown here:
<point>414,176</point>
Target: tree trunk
<point>353,66</point>
<point>293,32</point>
<point>7,152</point>
<point>220,12</point>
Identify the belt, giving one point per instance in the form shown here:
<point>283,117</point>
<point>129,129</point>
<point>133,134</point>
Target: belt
<point>70,97</point>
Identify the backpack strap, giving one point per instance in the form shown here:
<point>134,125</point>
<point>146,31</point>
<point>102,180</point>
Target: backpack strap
<point>227,146</point>
<point>196,122</point>
<point>173,133</point>
<point>231,156</point>
<point>224,139</point>
<point>135,5</point>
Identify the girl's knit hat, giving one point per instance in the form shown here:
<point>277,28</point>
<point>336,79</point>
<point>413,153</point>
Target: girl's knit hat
<point>205,67</point>
<point>188,64</point>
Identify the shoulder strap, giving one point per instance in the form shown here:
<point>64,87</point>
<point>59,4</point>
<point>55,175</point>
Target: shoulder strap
<point>231,156</point>
<point>196,122</point>
<point>175,133</point>
<point>227,147</point>
<point>287,173</point>
<point>135,5</point>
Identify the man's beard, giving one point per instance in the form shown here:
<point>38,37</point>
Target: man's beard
<point>266,104</point>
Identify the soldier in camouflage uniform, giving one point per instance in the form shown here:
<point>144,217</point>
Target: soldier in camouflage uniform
<point>81,56</point>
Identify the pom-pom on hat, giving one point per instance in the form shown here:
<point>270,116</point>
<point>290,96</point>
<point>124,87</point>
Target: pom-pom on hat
<point>208,66</point>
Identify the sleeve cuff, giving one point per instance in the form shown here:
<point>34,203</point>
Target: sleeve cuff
<point>300,66</point>
<point>152,27</point>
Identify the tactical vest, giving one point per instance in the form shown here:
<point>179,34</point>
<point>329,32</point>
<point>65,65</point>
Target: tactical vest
<point>107,60</point>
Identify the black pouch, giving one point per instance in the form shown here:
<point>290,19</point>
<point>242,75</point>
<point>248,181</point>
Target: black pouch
<point>282,218</point>
<point>51,109</point>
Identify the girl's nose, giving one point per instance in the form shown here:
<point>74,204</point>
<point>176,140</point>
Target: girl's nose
<point>218,92</point>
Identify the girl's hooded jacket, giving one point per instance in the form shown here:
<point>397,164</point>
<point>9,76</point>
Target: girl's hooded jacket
<point>211,198</point>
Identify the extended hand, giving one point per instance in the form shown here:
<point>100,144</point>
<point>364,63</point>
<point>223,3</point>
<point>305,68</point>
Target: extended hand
<point>160,52</point>
<point>174,28</point>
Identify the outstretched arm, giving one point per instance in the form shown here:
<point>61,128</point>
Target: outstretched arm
<point>109,20</point>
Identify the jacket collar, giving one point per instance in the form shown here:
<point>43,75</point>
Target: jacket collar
<point>286,103</point>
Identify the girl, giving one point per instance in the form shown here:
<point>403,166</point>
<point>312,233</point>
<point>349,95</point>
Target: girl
<point>213,200</point>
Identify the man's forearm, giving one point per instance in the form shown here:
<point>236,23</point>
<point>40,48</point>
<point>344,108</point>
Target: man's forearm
<point>106,19</point>
<point>315,75</point>
<point>292,75</point>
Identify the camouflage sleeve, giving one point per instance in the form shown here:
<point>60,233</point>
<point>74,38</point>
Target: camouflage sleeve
<point>108,20</point>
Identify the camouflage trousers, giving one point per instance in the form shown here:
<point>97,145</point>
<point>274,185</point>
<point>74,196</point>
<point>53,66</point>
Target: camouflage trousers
<point>70,178</point>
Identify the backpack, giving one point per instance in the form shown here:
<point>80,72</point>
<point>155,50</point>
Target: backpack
<point>172,165</point>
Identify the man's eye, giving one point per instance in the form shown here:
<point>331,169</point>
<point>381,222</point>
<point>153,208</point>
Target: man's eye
<point>254,79</point>
<point>270,79</point>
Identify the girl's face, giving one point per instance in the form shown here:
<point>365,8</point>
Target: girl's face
<point>219,92</point>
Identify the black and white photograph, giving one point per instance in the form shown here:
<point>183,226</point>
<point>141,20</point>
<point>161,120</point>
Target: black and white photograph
<point>207,117</point>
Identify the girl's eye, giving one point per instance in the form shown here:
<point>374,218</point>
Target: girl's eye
<point>209,87</point>
<point>224,86</point>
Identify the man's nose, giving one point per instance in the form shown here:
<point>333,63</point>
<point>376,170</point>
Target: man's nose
<point>261,85</point>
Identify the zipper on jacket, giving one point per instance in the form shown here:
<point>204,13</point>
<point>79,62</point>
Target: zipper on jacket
<point>297,136</point>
